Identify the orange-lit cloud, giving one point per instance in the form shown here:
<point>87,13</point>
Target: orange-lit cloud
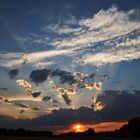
<point>25,84</point>
<point>97,105</point>
<point>96,86</point>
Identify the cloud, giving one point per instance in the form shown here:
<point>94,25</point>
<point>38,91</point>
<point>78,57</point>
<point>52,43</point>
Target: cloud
<point>119,105</point>
<point>22,105</point>
<point>65,77</point>
<point>99,39</point>
<point>105,24</point>
<point>13,73</point>
<point>91,86</point>
<point>116,110</point>
<point>10,59</point>
<point>25,84</point>
<point>130,42</point>
<point>39,76</point>
<point>36,94</point>
<point>66,98</point>
<point>113,56</point>
<point>4,89</point>
<point>4,100</point>
<point>46,98</point>
<point>99,33</point>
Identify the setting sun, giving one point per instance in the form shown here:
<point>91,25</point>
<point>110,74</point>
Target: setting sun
<point>78,128</point>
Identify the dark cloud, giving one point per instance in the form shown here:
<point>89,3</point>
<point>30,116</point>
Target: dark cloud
<point>66,98</point>
<point>92,75</point>
<point>121,106</point>
<point>22,105</point>
<point>13,73</point>
<point>55,101</point>
<point>25,106</point>
<point>36,94</point>
<point>1,98</point>
<point>36,108</point>
<point>4,100</point>
<point>68,116</point>
<point>65,77</point>
<point>39,76</point>
<point>46,98</point>
<point>107,96</point>
<point>4,89</point>
<point>22,111</point>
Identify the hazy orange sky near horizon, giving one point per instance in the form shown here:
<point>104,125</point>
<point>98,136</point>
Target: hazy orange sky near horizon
<point>100,127</point>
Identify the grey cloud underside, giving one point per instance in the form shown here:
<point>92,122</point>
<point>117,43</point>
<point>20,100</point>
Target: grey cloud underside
<point>116,109</point>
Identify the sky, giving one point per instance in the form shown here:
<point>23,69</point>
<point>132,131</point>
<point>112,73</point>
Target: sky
<point>64,62</point>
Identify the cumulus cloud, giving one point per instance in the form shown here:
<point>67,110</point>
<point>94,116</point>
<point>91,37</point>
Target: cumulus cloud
<point>25,84</point>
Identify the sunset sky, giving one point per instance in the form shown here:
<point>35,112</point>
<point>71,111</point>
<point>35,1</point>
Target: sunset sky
<point>67,62</point>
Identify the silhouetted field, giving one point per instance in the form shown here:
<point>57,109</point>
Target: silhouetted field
<point>68,138</point>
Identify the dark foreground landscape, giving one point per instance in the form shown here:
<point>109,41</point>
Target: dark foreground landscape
<point>69,138</point>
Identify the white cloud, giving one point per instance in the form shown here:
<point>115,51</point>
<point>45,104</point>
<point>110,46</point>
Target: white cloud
<point>102,26</point>
<point>130,42</point>
<point>35,58</point>
<point>112,57</point>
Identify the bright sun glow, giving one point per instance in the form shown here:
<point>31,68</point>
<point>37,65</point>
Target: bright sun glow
<point>78,128</point>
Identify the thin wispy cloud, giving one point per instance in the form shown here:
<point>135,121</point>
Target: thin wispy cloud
<point>106,33</point>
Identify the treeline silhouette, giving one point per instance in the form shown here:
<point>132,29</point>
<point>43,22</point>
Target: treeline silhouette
<point>23,132</point>
<point>88,132</point>
<point>132,129</point>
